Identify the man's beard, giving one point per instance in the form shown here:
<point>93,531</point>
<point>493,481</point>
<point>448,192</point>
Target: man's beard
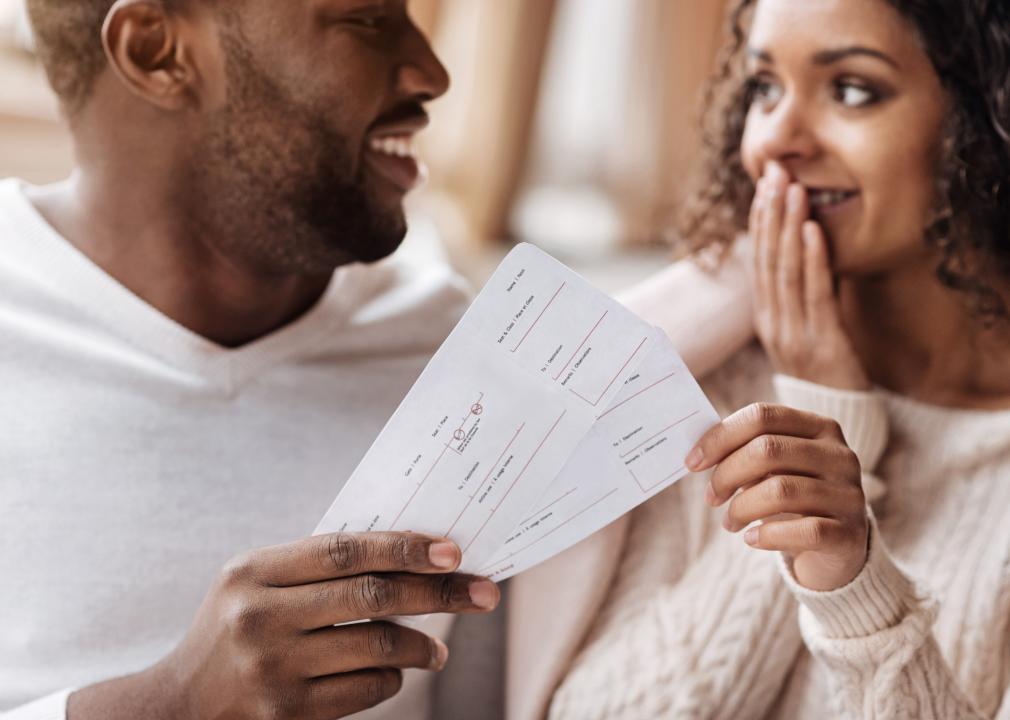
<point>274,186</point>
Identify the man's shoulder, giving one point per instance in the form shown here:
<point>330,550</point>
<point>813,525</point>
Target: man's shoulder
<point>399,288</point>
<point>23,235</point>
<point>12,197</point>
<point>413,298</point>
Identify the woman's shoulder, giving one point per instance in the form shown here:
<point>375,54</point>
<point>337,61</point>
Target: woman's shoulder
<point>744,378</point>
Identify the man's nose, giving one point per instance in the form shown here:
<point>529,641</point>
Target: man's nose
<point>786,133</point>
<point>421,75</point>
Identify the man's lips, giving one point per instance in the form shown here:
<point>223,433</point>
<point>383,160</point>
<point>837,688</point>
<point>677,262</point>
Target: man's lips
<point>400,124</point>
<point>389,151</point>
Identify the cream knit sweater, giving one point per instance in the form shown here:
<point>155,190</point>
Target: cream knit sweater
<point>698,625</point>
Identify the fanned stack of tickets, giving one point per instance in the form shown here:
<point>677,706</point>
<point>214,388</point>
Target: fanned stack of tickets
<point>550,411</point>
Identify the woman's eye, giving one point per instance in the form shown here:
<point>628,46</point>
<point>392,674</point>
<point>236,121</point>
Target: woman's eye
<point>764,90</point>
<point>855,95</point>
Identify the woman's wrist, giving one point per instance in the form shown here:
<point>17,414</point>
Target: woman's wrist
<point>878,598</point>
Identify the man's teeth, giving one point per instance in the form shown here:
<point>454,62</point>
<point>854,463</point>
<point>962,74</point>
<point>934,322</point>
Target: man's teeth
<point>398,146</point>
<point>820,198</point>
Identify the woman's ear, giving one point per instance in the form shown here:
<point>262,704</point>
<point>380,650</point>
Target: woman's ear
<point>145,48</point>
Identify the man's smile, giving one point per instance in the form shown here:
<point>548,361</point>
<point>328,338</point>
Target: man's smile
<point>390,153</point>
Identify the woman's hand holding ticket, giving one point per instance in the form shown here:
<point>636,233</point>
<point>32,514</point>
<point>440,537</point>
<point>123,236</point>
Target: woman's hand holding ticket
<point>772,461</point>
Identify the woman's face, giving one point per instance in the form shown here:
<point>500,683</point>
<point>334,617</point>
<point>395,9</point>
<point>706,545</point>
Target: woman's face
<point>846,99</point>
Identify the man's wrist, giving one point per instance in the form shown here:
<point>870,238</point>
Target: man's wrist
<point>151,694</point>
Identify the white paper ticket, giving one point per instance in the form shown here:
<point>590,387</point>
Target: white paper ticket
<point>506,442</point>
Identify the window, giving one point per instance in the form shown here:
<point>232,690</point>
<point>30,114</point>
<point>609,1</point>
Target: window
<point>13,24</point>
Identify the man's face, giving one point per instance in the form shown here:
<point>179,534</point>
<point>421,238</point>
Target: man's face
<point>304,163</point>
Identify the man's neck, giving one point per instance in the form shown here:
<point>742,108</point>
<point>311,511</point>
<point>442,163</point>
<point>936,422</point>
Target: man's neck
<point>134,234</point>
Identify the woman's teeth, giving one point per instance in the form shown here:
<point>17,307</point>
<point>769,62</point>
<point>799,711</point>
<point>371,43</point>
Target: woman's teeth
<point>823,198</point>
<point>395,145</point>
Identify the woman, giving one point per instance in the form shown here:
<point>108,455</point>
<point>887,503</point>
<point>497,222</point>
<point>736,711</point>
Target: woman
<point>866,155</point>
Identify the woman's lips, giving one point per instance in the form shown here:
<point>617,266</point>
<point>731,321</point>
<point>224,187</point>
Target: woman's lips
<point>826,203</point>
<point>392,157</point>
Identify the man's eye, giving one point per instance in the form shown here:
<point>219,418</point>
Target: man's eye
<point>369,22</point>
<point>852,94</point>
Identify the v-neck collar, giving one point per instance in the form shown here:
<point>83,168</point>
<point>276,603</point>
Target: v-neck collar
<point>69,274</point>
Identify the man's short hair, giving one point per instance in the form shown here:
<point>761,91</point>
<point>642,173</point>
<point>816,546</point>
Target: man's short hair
<point>68,39</point>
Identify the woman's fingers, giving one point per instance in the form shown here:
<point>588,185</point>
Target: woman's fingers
<point>793,494</point>
<point>806,534</point>
<point>754,421</point>
<point>789,280</point>
<point>772,217</point>
<point>770,455</point>
<point>758,209</point>
<point>821,309</point>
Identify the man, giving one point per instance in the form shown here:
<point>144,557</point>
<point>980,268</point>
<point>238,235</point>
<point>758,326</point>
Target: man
<point>195,354</point>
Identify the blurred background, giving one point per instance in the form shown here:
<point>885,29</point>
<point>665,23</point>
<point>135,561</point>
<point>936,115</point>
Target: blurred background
<point>572,124</point>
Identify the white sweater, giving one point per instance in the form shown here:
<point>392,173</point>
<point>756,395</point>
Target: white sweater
<point>698,625</point>
<point>136,457</point>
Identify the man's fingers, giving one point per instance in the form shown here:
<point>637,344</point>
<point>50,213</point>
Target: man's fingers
<point>751,422</point>
<point>380,595</point>
<point>794,494</point>
<point>348,648</point>
<point>340,555</point>
<point>338,696</point>
<point>769,455</point>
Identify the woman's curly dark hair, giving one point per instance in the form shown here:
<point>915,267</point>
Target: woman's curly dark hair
<point>968,42</point>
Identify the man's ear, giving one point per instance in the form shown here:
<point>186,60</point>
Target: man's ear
<point>144,48</point>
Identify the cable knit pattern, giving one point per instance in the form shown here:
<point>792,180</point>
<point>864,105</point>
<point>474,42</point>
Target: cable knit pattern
<point>698,625</point>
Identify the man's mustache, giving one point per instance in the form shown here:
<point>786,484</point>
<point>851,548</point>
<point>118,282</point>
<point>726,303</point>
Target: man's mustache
<point>405,112</point>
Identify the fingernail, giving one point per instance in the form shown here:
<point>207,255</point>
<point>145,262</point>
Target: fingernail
<point>710,497</point>
<point>483,594</point>
<point>443,555</point>
<point>751,536</point>
<point>441,655</point>
<point>695,458</point>
<point>810,236</point>
<point>795,197</point>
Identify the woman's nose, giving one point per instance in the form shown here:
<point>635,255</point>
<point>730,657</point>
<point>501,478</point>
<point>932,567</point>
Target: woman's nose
<point>785,133</point>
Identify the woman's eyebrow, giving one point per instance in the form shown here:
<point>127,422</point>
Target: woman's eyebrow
<point>828,57</point>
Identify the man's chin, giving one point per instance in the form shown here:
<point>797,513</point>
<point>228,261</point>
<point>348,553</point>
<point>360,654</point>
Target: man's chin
<point>385,236</point>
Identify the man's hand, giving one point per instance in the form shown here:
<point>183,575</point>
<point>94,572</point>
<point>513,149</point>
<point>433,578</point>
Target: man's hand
<point>264,645</point>
<point>792,471</point>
